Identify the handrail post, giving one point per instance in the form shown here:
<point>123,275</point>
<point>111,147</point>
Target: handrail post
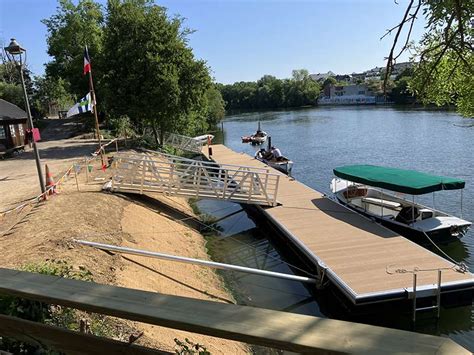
<point>414,298</point>
<point>438,294</point>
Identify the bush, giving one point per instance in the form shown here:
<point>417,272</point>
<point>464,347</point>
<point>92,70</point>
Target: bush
<point>41,312</point>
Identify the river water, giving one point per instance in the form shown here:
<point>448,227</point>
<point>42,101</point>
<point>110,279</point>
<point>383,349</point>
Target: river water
<point>318,140</point>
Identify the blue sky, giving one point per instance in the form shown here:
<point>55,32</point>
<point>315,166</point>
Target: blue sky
<point>244,39</point>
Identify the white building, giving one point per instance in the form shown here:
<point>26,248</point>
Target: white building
<point>348,95</point>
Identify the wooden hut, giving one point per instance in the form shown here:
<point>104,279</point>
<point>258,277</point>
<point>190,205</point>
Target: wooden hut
<point>12,127</point>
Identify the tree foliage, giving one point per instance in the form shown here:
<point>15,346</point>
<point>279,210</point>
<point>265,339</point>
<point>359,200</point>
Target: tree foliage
<point>270,93</point>
<point>69,30</point>
<point>445,66</point>
<point>51,91</point>
<point>11,89</point>
<point>151,73</point>
<point>143,66</point>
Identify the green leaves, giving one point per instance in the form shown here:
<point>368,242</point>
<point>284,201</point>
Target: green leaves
<point>152,75</point>
<point>270,92</point>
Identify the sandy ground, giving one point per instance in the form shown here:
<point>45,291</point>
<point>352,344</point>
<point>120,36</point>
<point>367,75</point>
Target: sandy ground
<point>18,175</point>
<point>45,231</point>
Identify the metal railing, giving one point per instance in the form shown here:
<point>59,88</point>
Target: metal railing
<point>183,142</point>
<point>179,176</point>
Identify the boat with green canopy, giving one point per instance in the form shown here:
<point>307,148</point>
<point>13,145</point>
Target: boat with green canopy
<point>380,193</point>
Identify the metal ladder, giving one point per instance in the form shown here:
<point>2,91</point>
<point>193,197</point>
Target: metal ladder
<point>438,298</point>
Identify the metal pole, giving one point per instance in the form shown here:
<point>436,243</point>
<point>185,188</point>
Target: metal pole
<point>438,295</point>
<point>94,103</point>
<point>413,211</point>
<point>222,129</point>
<point>414,298</point>
<point>30,123</point>
<point>461,203</point>
<point>182,259</point>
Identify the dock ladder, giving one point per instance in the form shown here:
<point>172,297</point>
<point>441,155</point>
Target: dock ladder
<point>437,306</point>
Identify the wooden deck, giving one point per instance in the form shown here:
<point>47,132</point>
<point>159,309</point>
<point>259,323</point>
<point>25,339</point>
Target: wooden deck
<point>359,256</point>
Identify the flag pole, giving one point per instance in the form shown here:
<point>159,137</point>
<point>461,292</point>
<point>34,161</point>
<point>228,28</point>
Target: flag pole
<point>94,104</point>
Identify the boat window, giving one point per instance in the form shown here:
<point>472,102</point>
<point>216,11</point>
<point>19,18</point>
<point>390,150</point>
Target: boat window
<point>2,132</point>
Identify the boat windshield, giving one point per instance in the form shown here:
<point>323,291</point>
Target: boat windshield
<point>405,181</point>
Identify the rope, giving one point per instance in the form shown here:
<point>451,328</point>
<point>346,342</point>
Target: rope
<point>457,266</point>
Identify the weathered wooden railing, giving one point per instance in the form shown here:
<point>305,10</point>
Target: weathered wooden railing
<point>179,176</point>
<point>280,330</point>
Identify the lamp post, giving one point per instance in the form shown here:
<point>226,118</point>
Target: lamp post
<point>15,55</point>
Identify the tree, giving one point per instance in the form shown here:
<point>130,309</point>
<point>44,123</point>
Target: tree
<point>444,55</point>
<point>152,75</point>
<point>215,105</point>
<point>51,91</point>
<point>11,89</point>
<point>270,93</point>
<point>69,31</point>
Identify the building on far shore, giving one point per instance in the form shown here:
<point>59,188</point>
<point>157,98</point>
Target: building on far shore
<point>347,95</point>
<point>12,127</point>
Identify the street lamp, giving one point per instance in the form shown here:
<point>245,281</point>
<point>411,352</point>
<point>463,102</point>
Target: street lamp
<point>15,55</point>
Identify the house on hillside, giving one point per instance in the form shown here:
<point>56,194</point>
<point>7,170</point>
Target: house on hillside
<point>347,95</point>
<point>321,76</point>
<point>12,127</point>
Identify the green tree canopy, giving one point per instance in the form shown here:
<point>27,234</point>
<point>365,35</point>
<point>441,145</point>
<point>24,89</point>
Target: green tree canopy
<point>142,64</point>
<point>269,92</point>
<point>444,69</point>
<point>152,75</point>
<point>69,31</point>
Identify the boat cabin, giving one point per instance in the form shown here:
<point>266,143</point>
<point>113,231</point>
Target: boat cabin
<point>12,127</point>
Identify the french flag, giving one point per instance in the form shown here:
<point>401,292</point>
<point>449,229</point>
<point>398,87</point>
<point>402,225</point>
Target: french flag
<point>87,62</point>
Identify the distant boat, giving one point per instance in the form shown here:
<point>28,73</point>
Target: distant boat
<point>363,189</point>
<point>259,137</point>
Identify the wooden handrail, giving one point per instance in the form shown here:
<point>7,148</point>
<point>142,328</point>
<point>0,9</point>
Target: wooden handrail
<point>258,326</point>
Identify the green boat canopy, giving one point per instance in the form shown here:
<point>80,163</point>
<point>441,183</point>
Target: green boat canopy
<point>406,181</point>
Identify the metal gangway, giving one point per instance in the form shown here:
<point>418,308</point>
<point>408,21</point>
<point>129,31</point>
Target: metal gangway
<point>183,142</point>
<point>177,176</point>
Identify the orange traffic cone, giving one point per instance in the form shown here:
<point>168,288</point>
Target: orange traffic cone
<point>49,181</point>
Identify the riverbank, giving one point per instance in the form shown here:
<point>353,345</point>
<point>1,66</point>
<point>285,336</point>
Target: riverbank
<point>41,236</point>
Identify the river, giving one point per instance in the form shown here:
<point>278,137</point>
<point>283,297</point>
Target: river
<point>318,140</point>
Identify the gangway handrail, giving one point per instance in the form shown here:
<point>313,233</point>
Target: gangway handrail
<point>194,178</point>
<point>210,163</point>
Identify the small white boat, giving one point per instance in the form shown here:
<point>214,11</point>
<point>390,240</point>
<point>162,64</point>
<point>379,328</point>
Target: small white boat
<point>366,190</point>
<point>204,138</point>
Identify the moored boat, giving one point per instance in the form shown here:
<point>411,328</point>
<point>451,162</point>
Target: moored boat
<point>380,193</point>
<point>282,164</point>
<point>259,137</point>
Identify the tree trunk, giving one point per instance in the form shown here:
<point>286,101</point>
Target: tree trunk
<point>155,133</point>
<point>162,136</point>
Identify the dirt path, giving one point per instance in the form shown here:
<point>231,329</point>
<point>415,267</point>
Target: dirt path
<point>18,175</point>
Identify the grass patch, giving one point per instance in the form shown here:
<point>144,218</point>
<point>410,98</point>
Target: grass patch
<point>55,315</point>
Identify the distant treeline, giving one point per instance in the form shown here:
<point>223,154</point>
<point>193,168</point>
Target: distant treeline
<point>270,92</point>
